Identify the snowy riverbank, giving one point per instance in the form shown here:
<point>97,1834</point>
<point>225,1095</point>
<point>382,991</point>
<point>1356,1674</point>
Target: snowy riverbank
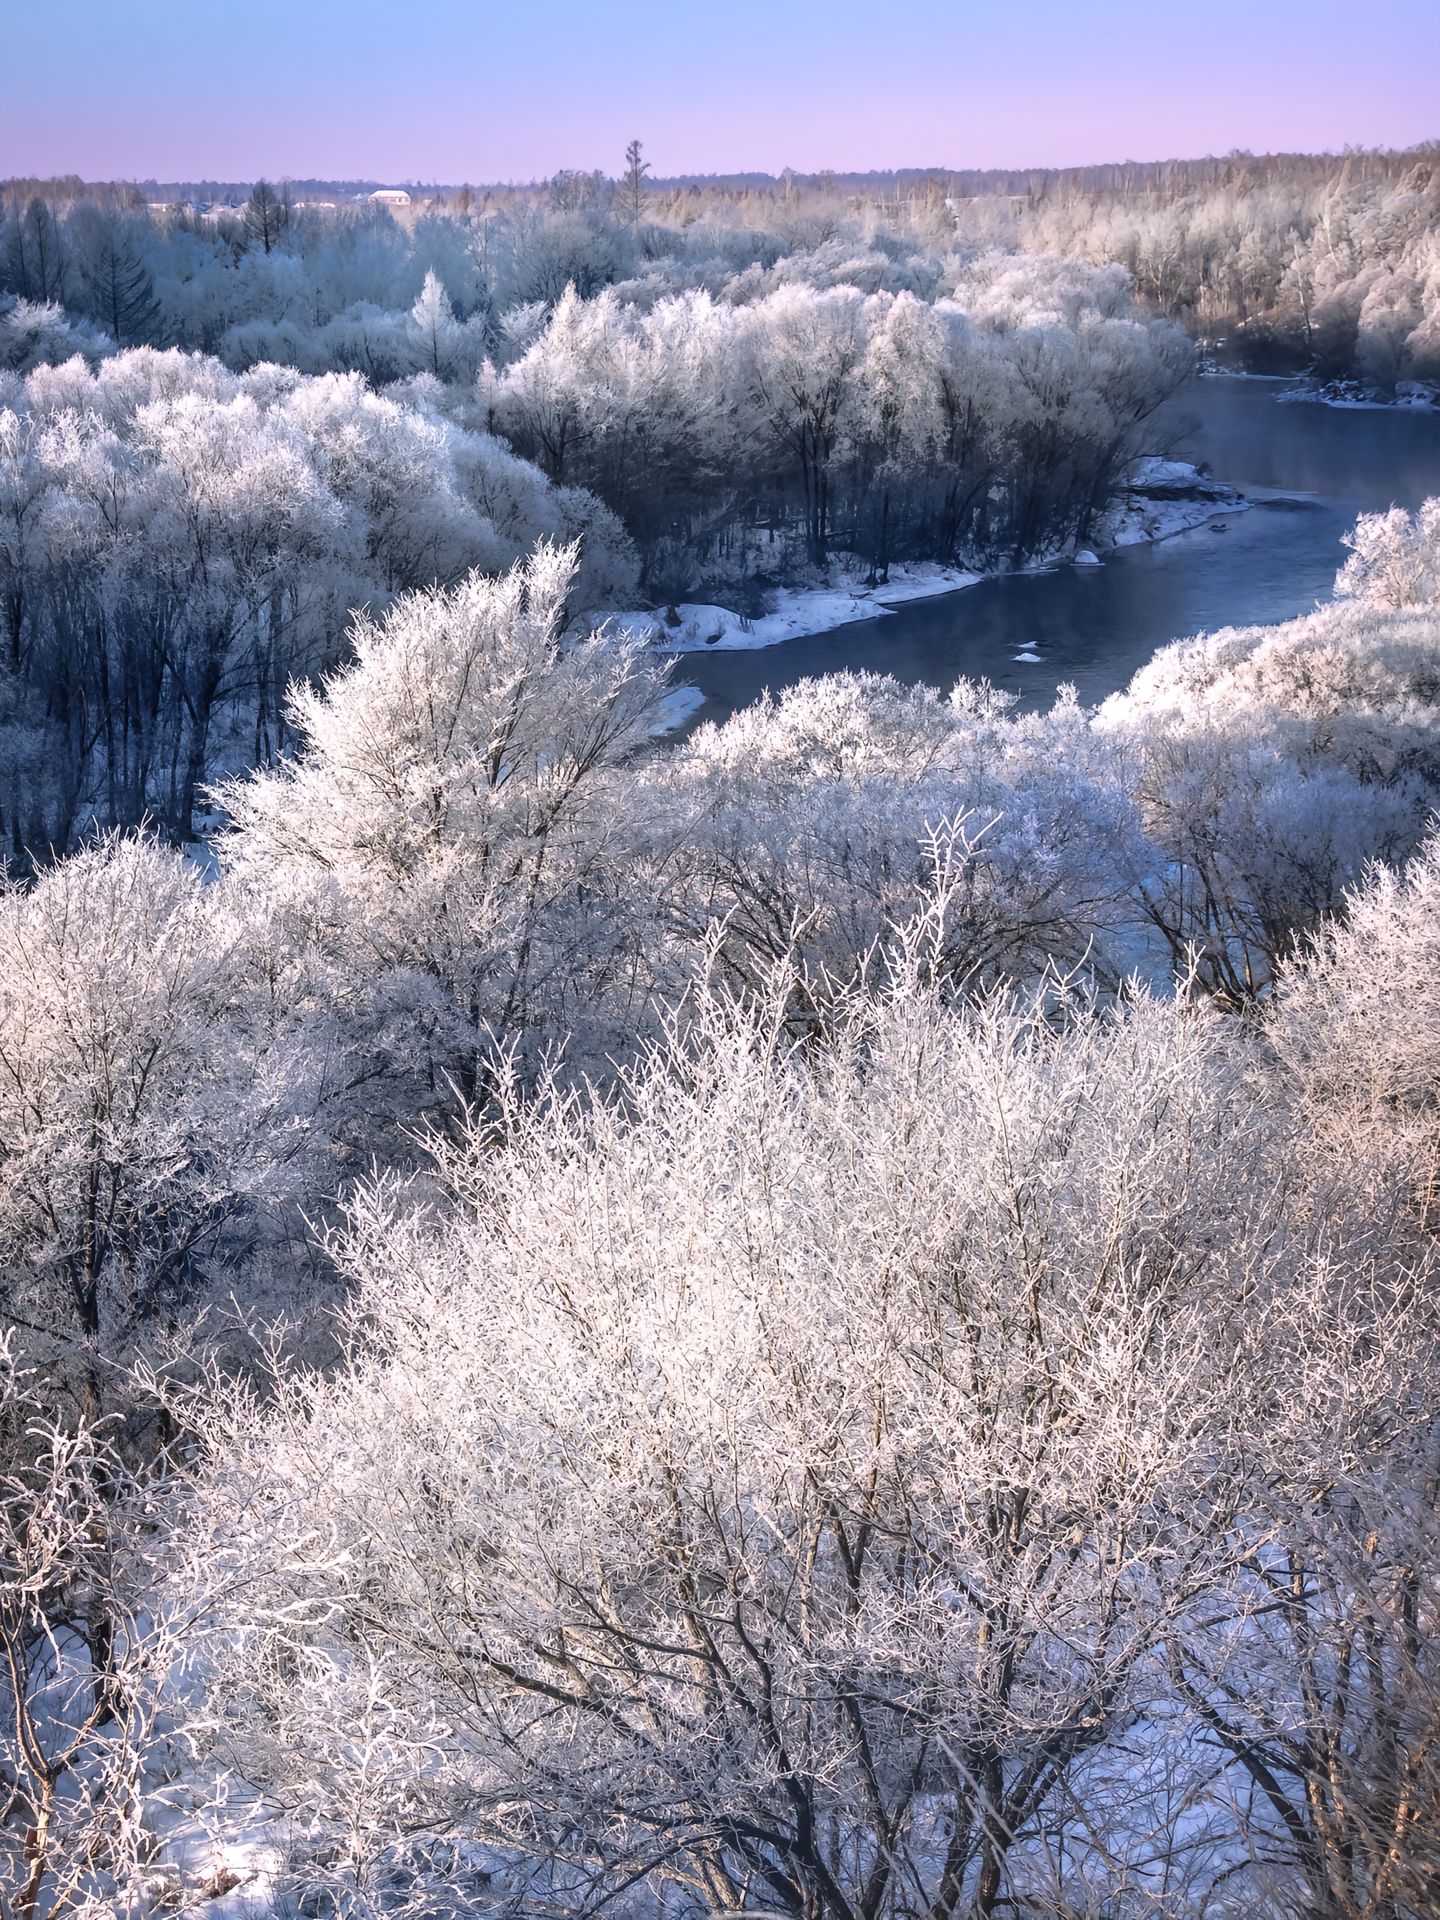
<point>1409,395</point>
<point>693,626</point>
<point>1163,498</point>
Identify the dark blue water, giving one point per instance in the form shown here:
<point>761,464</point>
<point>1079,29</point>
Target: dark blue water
<point>1095,625</point>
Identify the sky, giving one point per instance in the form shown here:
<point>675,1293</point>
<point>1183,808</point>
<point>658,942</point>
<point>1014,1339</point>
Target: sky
<point>452,90</point>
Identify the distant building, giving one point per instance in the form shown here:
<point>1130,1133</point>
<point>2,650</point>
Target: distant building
<point>390,197</point>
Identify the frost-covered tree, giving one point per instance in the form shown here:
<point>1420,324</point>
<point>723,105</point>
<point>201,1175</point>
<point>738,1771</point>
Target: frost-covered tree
<point>1394,558</point>
<point>840,1482</point>
<point>436,334</point>
<point>39,333</point>
<point>81,1662</point>
<point>177,543</point>
<point>811,826</point>
<point>1356,1021</point>
<point>459,790</point>
<point>1270,766</point>
<point>149,1096</point>
<point>632,183</point>
<point>802,350</point>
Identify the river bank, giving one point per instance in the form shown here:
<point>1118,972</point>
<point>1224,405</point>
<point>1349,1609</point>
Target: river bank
<point>1408,396</point>
<point>1161,499</point>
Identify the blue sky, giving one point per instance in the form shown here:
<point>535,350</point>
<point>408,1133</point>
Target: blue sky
<point>469,89</point>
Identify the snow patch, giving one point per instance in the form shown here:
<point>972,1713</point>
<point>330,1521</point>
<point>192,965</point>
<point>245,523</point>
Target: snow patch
<point>1166,497</point>
<point>675,709</point>
<point>1356,397</point>
<point>797,611</point>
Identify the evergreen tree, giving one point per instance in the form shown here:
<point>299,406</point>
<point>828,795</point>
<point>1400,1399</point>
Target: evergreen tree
<point>118,290</point>
<point>632,189</point>
<point>35,260</point>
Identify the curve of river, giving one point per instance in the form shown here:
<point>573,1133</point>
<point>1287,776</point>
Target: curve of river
<point>1095,625</point>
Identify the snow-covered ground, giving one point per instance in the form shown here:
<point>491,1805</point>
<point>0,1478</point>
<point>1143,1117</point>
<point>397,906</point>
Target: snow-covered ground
<point>1211,370</point>
<point>797,610</point>
<point>1355,395</point>
<point>1166,497</point>
<point>675,709</point>
<point>1163,497</point>
<point>230,1855</point>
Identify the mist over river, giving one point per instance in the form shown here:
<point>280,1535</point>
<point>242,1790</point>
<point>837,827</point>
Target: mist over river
<point>1308,469</point>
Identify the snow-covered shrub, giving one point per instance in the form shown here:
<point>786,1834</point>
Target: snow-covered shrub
<point>1394,558</point>
<point>866,1474</point>
<point>149,1099</point>
<point>1270,766</point>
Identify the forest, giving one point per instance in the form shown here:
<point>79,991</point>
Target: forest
<point>833,1316</point>
<point>1316,263</point>
<point>219,434</point>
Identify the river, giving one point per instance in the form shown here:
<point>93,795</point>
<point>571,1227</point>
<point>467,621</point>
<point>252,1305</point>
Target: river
<point>1095,625</point>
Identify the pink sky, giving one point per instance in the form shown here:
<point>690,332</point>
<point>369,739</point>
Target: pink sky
<point>460,90</point>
